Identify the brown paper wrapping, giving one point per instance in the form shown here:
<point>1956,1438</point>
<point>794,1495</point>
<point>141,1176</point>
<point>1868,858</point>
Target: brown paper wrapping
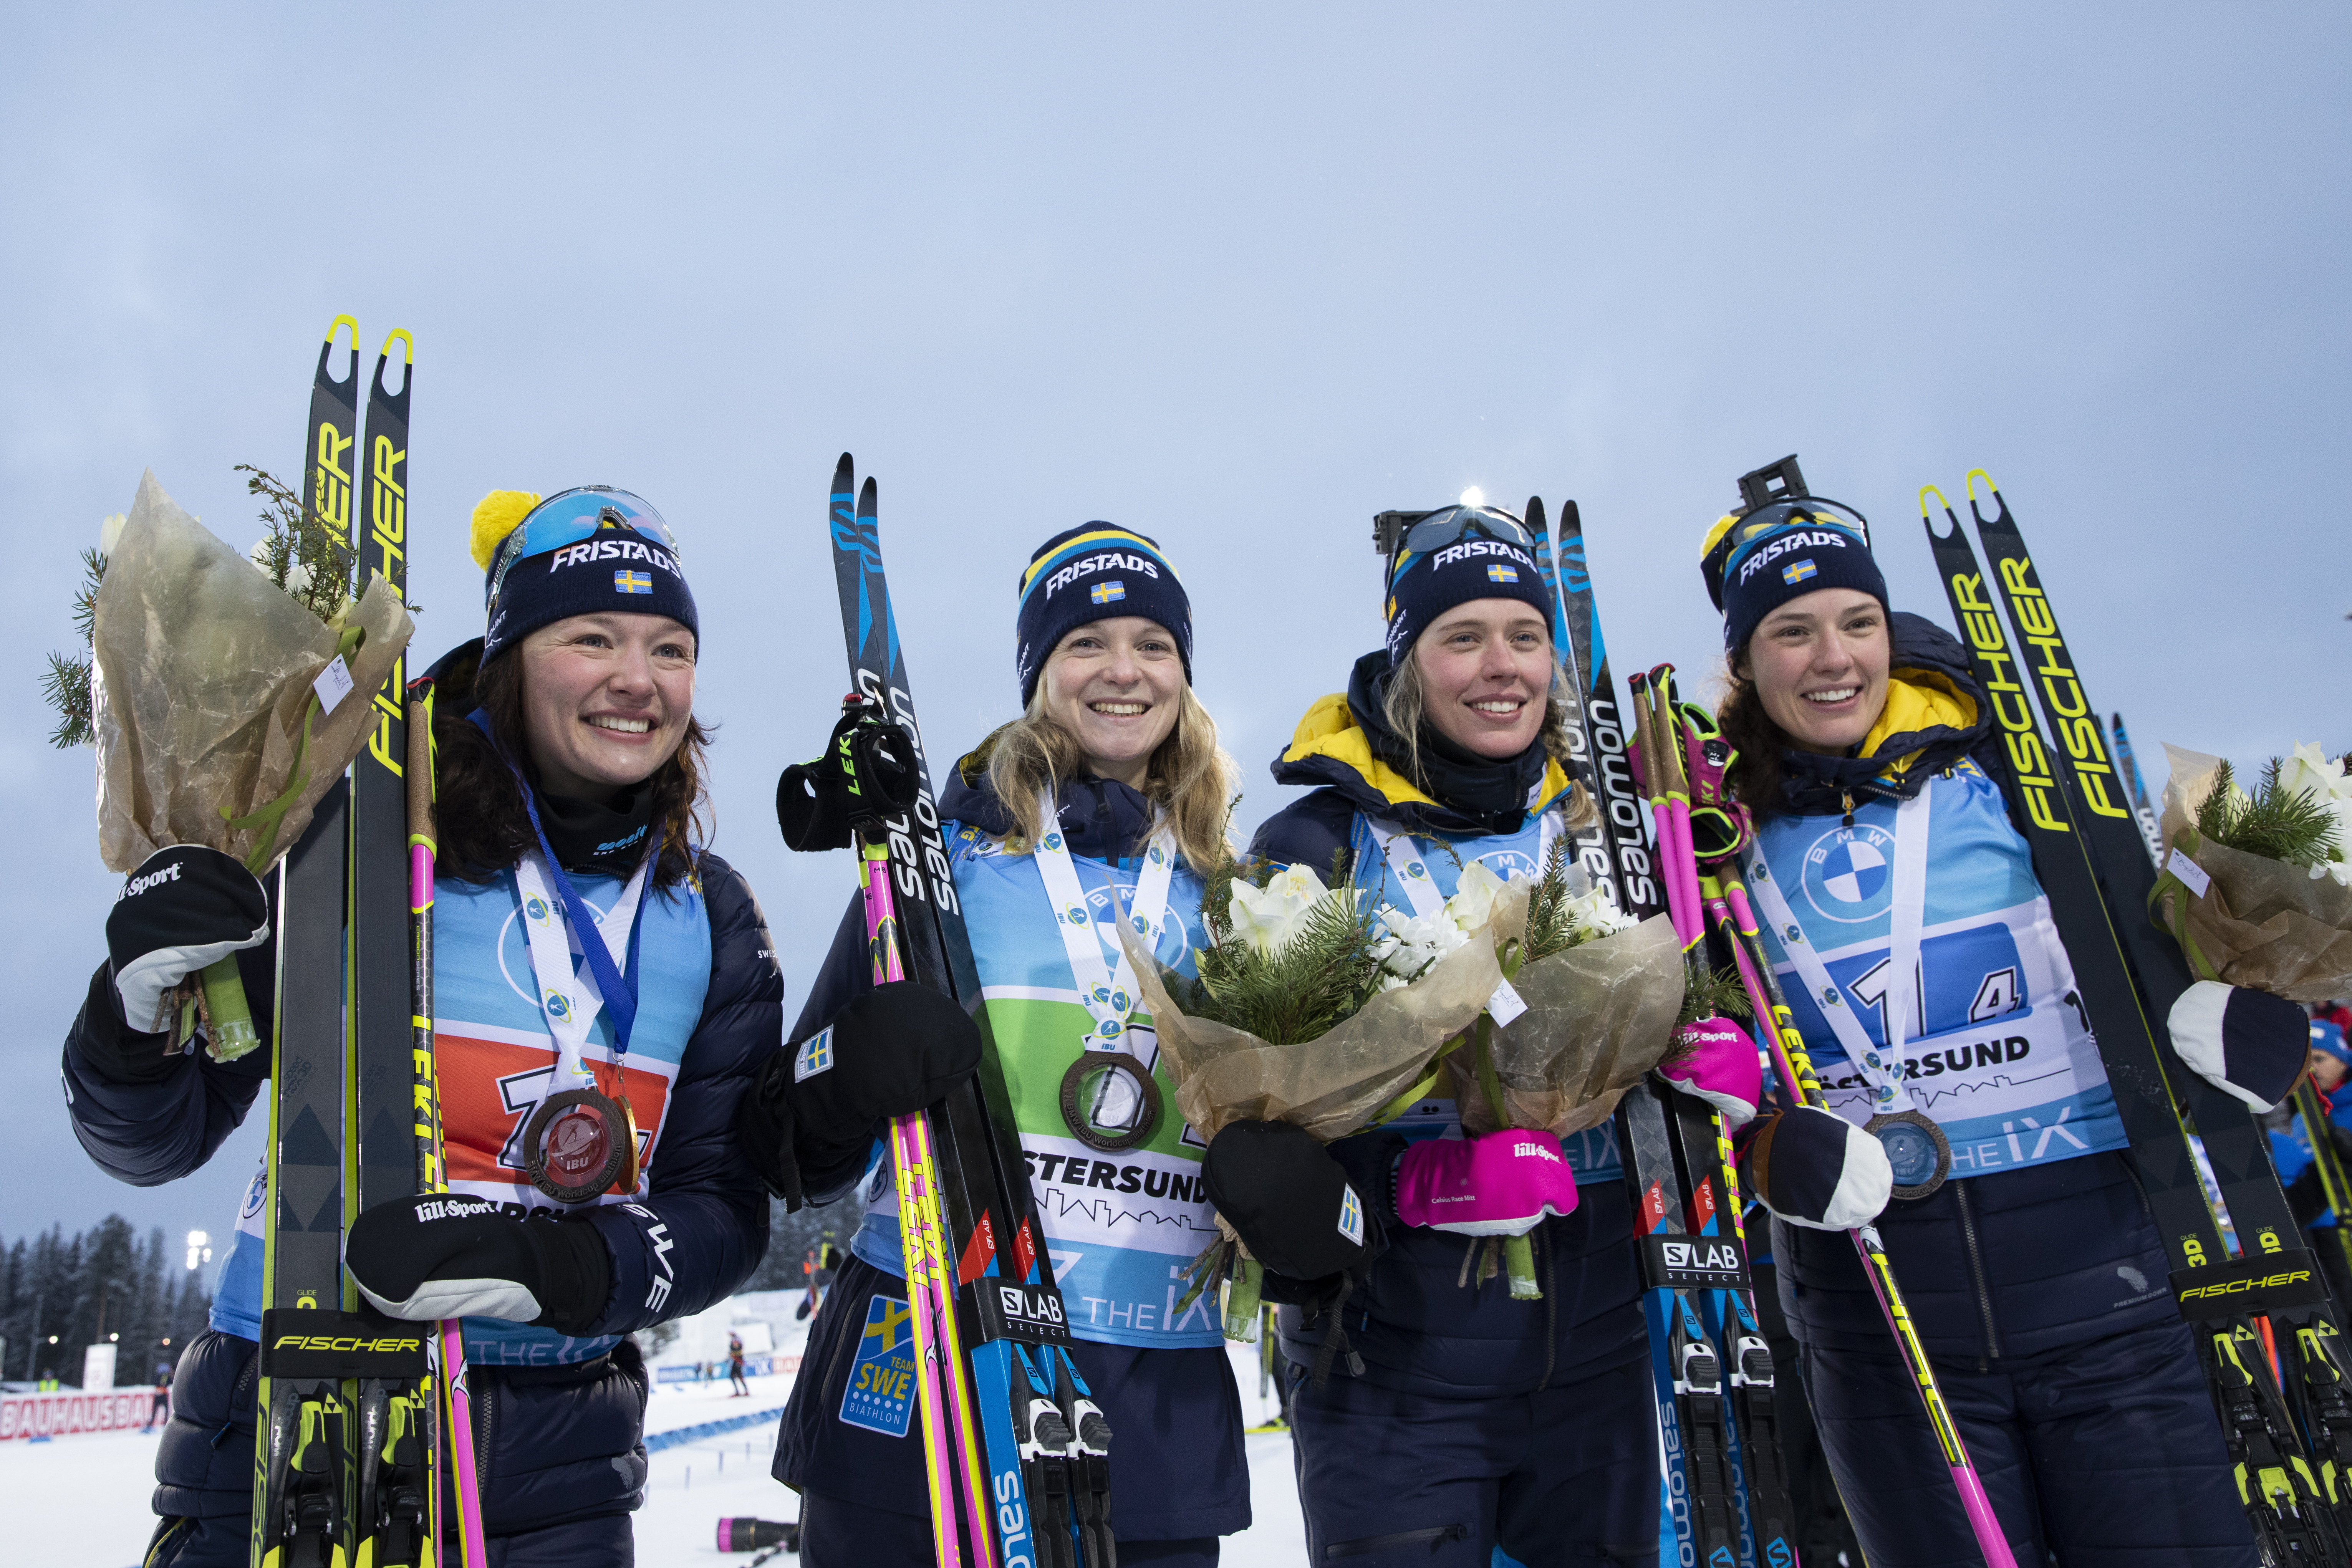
<point>2262,922</point>
<point>1598,1016</point>
<point>1332,1085</point>
<point>201,671</point>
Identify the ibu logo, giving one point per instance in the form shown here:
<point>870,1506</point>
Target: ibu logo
<point>1850,873</point>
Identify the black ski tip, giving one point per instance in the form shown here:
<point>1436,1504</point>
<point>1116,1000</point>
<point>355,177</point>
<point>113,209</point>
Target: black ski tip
<point>1535,518</point>
<point>842,471</point>
<point>1571,520</point>
<point>866,494</point>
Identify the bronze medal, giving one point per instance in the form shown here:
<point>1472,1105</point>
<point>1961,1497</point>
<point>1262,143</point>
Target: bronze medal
<point>578,1144</point>
<point>1085,1090</point>
<point>1917,1149</point>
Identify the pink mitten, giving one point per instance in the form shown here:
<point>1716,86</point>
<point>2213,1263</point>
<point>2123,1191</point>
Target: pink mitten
<point>1720,1066</point>
<point>1501,1184</point>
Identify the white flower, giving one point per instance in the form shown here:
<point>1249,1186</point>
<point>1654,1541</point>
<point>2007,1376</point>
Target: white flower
<point>1416,941</point>
<point>1591,916</point>
<point>2312,773</point>
<point>1473,896</point>
<point>1267,917</point>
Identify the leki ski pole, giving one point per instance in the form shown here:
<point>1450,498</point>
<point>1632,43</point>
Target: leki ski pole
<point>1727,901</point>
<point>456,1410</point>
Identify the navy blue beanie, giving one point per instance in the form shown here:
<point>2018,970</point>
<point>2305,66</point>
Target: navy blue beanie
<point>1094,572</point>
<point>575,553</point>
<point>1781,557</point>
<point>1486,562</point>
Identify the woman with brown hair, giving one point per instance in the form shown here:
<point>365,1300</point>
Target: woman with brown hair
<point>1900,903</point>
<point>604,987</point>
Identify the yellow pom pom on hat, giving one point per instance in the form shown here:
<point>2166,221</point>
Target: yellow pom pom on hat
<point>496,515</point>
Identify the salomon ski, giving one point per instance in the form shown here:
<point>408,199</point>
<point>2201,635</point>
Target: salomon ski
<point>1019,1466</point>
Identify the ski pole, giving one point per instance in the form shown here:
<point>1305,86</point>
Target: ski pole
<point>456,1408</point>
<point>1736,921</point>
<point>944,1431</point>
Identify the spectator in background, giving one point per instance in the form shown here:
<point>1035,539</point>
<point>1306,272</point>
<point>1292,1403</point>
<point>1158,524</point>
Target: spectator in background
<point>742,1387</point>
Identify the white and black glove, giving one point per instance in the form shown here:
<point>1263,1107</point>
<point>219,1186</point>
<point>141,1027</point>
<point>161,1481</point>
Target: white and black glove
<point>448,1255</point>
<point>1814,1168</point>
<point>185,906</point>
<point>2244,1042</point>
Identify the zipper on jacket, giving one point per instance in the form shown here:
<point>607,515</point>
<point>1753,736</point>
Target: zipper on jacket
<point>1976,1272</point>
<point>1552,1305</point>
<point>1847,797</point>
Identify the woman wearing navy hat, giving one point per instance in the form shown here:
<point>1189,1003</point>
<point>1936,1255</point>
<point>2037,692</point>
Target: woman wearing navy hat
<point>596,1184</point>
<point>1435,1417</point>
<point>1108,798</point>
<point>1893,882</point>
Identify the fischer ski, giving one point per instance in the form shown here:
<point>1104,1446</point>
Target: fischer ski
<point>2093,866</point>
<point>1018,1469</point>
<point>303,1469</point>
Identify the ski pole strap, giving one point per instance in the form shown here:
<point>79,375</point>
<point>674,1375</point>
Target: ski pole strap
<point>1882,1067</point>
<point>1108,992</point>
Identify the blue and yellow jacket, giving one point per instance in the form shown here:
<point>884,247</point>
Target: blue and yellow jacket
<point>1416,1326</point>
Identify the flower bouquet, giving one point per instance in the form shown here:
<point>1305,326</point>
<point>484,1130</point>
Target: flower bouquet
<point>1598,995</point>
<point>1307,1010</point>
<point>2257,886</point>
<point>223,710</point>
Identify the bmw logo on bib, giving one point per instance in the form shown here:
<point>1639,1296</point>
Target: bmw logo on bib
<point>1850,873</point>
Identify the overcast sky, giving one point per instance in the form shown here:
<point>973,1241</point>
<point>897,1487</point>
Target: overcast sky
<point>1236,276</point>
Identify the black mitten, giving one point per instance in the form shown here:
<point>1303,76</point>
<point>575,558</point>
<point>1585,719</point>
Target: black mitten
<point>1287,1199</point>
<point>894,1050</point>
<point>2247,1043</point>
<point>185,906</point>
<point>449,1255</point>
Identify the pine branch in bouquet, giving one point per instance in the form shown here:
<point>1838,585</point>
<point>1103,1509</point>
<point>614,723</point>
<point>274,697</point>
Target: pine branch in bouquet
<point>1325,970</point>
<point>2274,821</point>
<point>1559,918</point>
<point>1712,994</point>
<point>300,561</point>
<point>65,683</point>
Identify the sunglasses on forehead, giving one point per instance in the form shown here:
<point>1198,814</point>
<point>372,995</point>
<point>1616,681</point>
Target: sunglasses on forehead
<point>1419,532</point>
<point>571,516</point>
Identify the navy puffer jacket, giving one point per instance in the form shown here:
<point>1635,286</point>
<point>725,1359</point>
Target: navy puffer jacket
<point>2007,1264</point>
<point>1414,1324</point>
<point>556,1444</point>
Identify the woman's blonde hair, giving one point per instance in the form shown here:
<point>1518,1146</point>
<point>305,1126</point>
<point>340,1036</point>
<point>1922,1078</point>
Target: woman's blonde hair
<point>1190,778</point>
<point>1406,705</point>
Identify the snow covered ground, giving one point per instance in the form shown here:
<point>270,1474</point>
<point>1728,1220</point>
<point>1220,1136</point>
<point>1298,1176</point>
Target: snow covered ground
<point>84,1501</point>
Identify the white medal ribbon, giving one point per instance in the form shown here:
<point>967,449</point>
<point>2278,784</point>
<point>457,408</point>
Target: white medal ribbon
<point>569,999</point>
<point>1884,1067</point>
<point>1410,871</point>
<point>1108,991</point>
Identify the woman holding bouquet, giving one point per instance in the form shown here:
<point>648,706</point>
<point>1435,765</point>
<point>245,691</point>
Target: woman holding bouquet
<point>1887,815</point>
<point>1107,794</point>
<point>1443,1418</point>
<point>571,770</point>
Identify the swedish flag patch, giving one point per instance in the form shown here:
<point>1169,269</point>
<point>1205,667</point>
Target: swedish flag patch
<point>1104,593</point>
<point>1499,571</point>
<point>1796,572</point>
<point>632,582</point>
